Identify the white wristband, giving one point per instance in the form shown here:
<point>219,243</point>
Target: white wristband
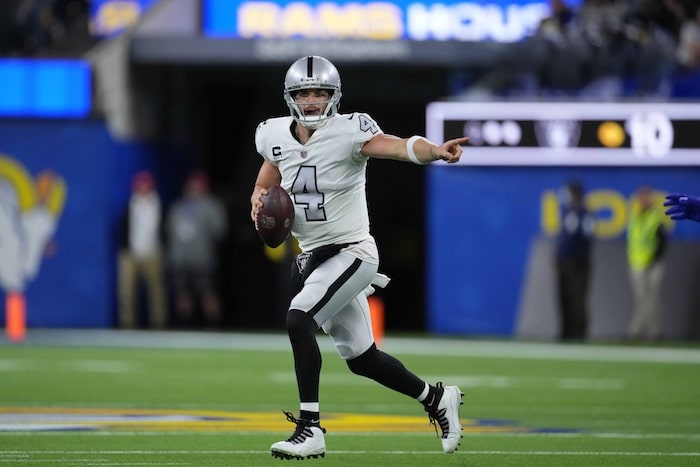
<point>411,153</point>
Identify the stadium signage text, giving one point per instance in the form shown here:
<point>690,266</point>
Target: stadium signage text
<point>400,19</point>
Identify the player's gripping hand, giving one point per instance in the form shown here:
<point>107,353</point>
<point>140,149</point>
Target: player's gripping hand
<point>256,202</point>
<point>683,206</point>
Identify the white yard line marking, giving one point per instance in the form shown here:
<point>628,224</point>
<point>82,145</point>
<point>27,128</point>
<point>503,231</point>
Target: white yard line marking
<point>492,381</point>
<point>543,351</point>
<point>427,453</point>
<point>79,365</point>
<point>73,461</point>
<point>418,346</point>
<point>674,436</point>
<point>13,364</point>
<point>100,366</point>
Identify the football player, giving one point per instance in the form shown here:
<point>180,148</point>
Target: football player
<point>319,157</point>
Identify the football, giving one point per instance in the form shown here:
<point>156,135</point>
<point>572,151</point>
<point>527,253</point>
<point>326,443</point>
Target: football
<point>275,219</point>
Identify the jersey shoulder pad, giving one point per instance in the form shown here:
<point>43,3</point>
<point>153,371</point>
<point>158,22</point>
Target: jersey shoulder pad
<point>273,123</point>
<point>272,127</point>
<point>365,125</point>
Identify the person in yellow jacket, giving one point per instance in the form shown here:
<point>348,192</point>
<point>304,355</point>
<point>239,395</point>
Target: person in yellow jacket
<point>646,244</point>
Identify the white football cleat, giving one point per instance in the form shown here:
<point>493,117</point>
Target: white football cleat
<point>306,442</point>
<point>447,416</point>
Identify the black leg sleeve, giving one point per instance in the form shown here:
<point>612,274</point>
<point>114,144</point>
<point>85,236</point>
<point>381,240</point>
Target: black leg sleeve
<point>307,356</point>
<point>387,371</point>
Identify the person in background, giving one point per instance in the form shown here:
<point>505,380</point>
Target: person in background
<point>141,255</point>
<point>688,51</point>
<point>681,206</point>
<point>646,245</point>
<point>195,225</point>
<point>573,263</point>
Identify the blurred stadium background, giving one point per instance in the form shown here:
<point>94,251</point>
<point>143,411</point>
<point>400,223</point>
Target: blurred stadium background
<point>602,91</point>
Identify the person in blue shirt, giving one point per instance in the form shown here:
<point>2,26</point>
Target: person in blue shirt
<point>573,263</point>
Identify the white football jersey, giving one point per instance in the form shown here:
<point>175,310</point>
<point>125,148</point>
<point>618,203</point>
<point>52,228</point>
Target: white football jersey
<point>325,177</point>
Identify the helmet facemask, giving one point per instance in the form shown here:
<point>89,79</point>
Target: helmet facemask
<point>310,73</point>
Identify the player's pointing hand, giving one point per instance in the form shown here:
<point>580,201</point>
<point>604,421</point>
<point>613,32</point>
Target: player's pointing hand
<point>451,151</point>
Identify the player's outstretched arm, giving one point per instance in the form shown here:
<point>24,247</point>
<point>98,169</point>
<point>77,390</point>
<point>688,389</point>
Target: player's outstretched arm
<point>268,175</point>
<point>682,206</point>
<point>416,149</point>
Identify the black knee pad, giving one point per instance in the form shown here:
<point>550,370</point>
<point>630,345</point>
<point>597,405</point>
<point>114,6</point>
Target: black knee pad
<point>299,322</point>
<point>387,371</point>
<point>367,363</point>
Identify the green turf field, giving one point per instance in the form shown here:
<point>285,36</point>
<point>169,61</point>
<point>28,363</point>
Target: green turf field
<point>197,399</point>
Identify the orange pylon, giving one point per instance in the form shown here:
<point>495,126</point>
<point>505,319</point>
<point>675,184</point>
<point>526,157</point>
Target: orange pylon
<point>15,316</point>
<point>376,311</point>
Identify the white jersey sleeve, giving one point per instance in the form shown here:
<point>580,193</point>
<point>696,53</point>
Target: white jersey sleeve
<point>325,177</point>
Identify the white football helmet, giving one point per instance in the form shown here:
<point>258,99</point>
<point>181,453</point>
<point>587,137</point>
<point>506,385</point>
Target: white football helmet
<point>312,72</point>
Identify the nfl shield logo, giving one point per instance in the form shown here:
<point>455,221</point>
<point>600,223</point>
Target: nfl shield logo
<point>303,153</point>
